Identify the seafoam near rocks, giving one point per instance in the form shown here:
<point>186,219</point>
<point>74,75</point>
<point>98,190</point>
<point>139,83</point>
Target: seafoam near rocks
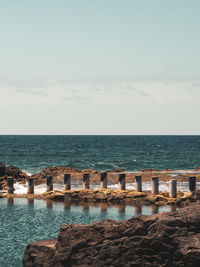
<point>166,239</point>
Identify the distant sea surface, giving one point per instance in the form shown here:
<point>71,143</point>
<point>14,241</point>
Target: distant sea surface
<point>33,153</point>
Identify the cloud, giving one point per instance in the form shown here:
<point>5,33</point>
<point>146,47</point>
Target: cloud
<point>101,91</point>
<point>35,92</point>
<point>76,98</point>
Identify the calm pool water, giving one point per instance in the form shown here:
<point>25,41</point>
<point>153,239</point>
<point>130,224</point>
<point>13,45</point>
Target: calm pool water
<point>23,221</point>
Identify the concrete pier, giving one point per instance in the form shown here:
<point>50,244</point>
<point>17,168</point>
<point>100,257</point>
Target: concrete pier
<point>103,180</point>
<point>30,188</point>
<point>154,185</point>
<point>49,182</point>
<point>173,188</point>
<point>86,181</point>
<point>192,184</point>
<point>122,182</point>
<point>138,183</point>
<point>67,181</point>
<point>10,187</point>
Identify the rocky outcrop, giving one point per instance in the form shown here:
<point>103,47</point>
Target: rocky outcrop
<point>166,239</point>
<point>11,171</point>
<point>58,174</point>
<point>2,169</point>
<point>115,196</point>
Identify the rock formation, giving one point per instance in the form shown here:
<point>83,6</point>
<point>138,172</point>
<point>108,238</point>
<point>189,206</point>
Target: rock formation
<point>165,239</point>
<point>11,171</point>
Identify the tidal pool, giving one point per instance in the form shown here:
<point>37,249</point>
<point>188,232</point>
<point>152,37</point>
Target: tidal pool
<point>25,220</point>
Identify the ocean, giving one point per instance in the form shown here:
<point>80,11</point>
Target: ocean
<point>132,153</point>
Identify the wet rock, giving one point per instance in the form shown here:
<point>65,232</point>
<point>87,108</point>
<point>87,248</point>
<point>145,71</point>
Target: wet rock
<point>15,172</point>
<point>2,169</point>
<point>166,239</point>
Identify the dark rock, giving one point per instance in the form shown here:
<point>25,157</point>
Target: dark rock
<point>13,171</point>
<point>166,239</point>
<point>2,169</point>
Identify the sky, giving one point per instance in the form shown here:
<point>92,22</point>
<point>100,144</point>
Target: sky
<point>100,67</point>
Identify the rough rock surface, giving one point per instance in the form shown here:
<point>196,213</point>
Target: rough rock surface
<point>11,171</point>
<point>166,239</point>
<point>76,175</point>
<point>2,169</point>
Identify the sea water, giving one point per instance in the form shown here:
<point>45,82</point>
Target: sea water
<point>23,221</point>
<point>32,153</point>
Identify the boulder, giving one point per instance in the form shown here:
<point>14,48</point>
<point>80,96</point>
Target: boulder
<point>2,169</point>
<point>165,239</point>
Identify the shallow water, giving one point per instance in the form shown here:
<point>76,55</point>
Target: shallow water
<point>23,221</point>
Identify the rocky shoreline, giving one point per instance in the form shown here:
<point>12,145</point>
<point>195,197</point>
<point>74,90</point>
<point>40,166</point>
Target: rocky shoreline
<point>165,239</point>
<point>100,195</point>
<point>57,172</point>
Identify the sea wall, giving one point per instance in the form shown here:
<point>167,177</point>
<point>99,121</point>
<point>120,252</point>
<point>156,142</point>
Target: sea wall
<point>165,239</point>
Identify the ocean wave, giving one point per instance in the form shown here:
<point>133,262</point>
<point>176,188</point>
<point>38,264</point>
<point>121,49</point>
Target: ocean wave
<point>146,186</point>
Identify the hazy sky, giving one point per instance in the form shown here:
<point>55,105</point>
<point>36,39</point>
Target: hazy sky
<point>100,67</point>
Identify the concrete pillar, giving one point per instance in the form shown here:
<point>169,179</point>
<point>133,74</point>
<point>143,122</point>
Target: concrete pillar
<point>10,187</point>
<point>30,188</point>
<point>103,180</point>
<point>86,181</point>
<point>138,183</point>
<point>67,181</point>
<point>192,183</point>
<point>122,181</point>
<point>49,182</point>
<point>154,185</point>
<point>173,188</point>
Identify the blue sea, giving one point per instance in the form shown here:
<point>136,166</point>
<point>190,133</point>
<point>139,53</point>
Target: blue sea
<point>132,153</point>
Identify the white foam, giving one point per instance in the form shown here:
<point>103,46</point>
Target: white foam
<point>38,189</point>
<point>28,173</point>
<point>146,186</point>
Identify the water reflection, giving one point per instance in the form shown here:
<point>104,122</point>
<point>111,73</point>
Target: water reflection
<point>10,201</point>
<point>172,208</point>
<point>138,210</point>
<point>119,210</point>
<point>30,201</point>
<point>49,203</point>
<point>154,209</point>
<point>67,205</point>
<point>103,207</point>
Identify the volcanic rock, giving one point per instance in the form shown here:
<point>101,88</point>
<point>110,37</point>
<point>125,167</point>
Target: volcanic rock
<point>2,169</point>
<point>165,239</point>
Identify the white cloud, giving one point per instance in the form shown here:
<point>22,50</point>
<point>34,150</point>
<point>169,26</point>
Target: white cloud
<point>48,105</point>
